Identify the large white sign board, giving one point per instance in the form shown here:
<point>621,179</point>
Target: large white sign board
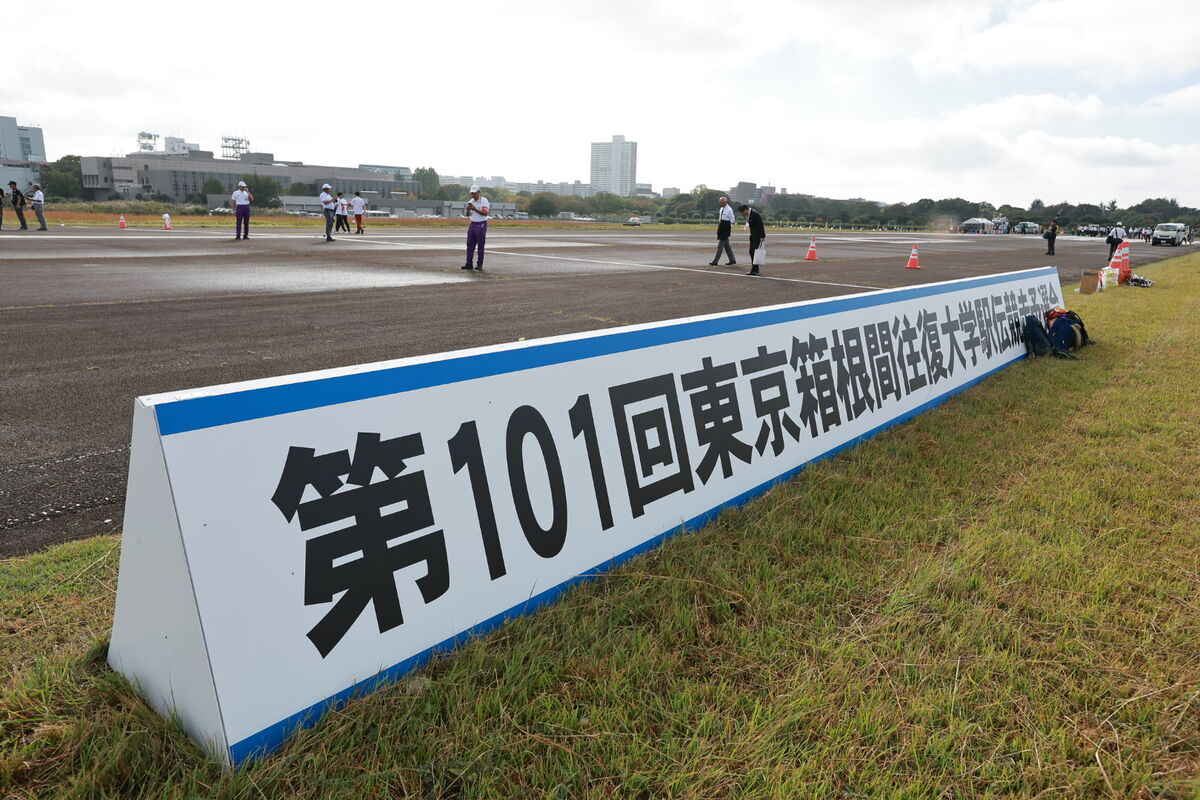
<point>292,542</point>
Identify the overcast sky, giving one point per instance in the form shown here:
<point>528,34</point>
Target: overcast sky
<point>1076,100</point>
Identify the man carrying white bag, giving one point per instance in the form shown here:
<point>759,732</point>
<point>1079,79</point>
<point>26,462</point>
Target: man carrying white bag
<point>758,253</point>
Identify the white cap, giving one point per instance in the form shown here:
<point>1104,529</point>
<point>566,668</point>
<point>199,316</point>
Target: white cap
<point>241,183</point>
<point>475,187</point>
<point>326,186</point>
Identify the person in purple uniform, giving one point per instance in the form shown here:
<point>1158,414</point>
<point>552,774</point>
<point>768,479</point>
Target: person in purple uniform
<point>478,209</point>
<point>241,210</point>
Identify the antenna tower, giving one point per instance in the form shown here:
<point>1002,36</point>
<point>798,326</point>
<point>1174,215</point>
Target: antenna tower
<point>234,146</point>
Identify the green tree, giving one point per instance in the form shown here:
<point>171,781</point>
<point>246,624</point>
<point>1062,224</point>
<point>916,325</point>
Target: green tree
<point>428,178</point>
<point>63,179</point>
<point>543,204</point>
<point>266,191</point>
<point>606,203</point>
<point>302,189</point>
<point>1036,206</point>
<point>213,186</point>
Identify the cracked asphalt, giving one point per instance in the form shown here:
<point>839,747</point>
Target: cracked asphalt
<point>92,318</point>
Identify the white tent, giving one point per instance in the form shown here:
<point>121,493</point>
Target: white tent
<point>976,225</point>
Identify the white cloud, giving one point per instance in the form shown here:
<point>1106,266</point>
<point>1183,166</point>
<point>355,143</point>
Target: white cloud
<point>989,100</point>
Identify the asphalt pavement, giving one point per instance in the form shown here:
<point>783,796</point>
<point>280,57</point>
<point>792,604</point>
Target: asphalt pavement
<point>92,318</point>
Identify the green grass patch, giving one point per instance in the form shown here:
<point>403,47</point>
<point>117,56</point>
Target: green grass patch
<point>1000,598</point>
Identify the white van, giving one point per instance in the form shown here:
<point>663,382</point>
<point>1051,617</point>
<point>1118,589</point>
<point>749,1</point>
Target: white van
<point>1172,233</point>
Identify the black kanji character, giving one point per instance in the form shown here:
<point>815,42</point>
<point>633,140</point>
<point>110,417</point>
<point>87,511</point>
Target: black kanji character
<point>816,386</point>
<point>770,399</point>
<point>650,407</point>
<point>882,358</point>
<point>931,346</point>
<point>368,577</point>
<point>950,330</point>
<point>717,417</point>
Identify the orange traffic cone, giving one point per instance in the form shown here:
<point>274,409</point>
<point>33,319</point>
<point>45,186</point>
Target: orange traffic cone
<point>1124,270</point>
<point>913,261</point>
<point>122,224</point>
<point>812,250</point>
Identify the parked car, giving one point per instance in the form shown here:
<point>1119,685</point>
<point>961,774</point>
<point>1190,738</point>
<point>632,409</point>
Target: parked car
<point>1172,233</point>
<point>632,221</point>
<point>1027,227</point>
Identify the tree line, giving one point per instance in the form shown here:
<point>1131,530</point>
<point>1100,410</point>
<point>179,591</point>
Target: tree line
<point>64,179</point>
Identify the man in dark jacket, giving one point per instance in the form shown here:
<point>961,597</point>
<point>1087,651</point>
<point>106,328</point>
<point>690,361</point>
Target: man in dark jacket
<point>757,233</point>
<point>724,230</point>
<point>1050,235</point>
<point>18,201</point>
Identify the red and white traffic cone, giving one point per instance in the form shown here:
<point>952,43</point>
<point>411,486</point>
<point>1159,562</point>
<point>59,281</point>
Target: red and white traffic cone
<point>812,250</point>
<point>913,261</point>
<point>121,222</point>
<point>1124,270</point>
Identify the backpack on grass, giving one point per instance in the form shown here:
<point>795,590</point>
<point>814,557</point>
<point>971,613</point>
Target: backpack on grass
<point>1078,330</point>
<point>1038,341</point>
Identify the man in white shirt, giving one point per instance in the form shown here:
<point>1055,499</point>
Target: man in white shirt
<point>478,209</point>
<point>342,213</point>
<point>359,207</point>
<point>1115,237</point>
<point>241,198</point>
<point>327,206</point>
<point>38,203</point>
<point>725,220</point>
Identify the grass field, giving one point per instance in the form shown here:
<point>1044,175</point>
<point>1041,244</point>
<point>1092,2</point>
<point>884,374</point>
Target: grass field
<point>1000,598</point>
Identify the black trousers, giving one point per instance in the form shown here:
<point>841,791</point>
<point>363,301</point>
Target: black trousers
<point>21,217</point>
<point>1112,248</point>
<point>755,243</point>
<point>1050,245</point>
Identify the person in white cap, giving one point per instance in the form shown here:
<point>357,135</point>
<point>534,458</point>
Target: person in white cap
<point>241,198</point>
<point>328,205</point>
<point>1115,237</point>
<point>478,209</point>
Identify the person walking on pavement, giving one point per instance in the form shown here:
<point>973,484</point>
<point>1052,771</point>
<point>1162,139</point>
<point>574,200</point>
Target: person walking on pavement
<point>1115,237</point>
<point>757,233</point>
<point>1050,235</point>
<point>2,196</point>
<point>328,207</point>
<point>358,206</point>
<point>724,230</point>
<point>478,209</point>
<point>241,198</point>
<point>18,203</point>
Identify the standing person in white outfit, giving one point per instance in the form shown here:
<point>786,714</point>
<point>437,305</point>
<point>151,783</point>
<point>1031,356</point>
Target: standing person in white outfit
<point>725,220</point>
<point>241,198</point>
<point>359,206</point>
<point>327,206</point>
<point>38,203</point>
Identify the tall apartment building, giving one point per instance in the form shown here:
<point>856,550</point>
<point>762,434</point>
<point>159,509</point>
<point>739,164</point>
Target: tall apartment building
<point>614,166</point>
<point>21,142</point>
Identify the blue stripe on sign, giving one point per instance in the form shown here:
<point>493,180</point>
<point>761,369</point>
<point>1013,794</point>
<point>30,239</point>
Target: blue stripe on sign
<point>271,737</point>
<point>197,413</point>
